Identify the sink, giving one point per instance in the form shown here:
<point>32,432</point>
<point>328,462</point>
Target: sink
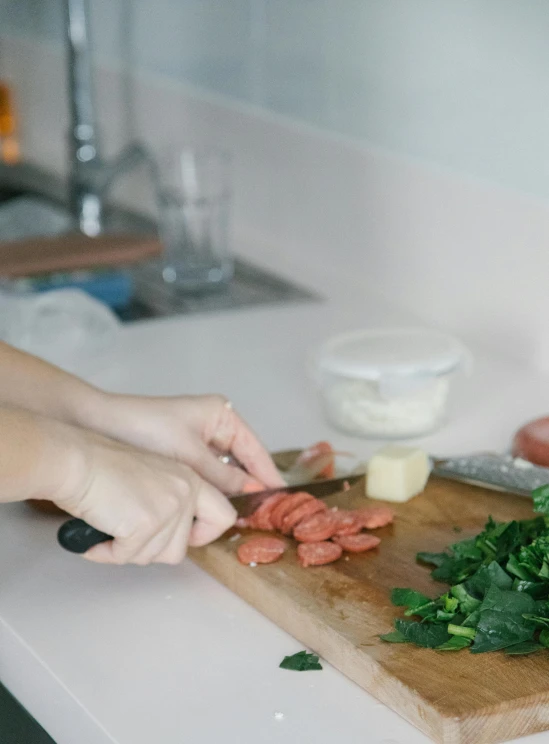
<point>32,203</point>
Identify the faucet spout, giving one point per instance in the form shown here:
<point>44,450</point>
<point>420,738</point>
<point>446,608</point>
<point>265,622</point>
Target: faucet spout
<point>85,203</point>
<point>90,176</point>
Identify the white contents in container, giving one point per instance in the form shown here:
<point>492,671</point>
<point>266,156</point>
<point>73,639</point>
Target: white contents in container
<point>388,383</point>
<point>397,473</point>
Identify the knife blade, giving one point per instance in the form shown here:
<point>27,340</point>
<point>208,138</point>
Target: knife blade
<point>77,536</point>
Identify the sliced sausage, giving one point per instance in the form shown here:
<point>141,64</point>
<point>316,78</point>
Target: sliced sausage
<point>261,518</point>
<point>316,528</point>
<point>372,517</point>
<point>261,549</point>
<point>319,460</point>
<point>307,509</point>
<point>288,505</point>
<point>357,543</point>
<point>348,523</point>
<point>318,553</point>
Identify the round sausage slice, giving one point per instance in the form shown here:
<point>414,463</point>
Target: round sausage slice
<point>319,460</point>
<point>373,517</point>
<point>288,505</point>
<point>318,553</point>
<point>261,549</point>
<point>348,523</point>
<point>357,543</point>
<point>261,518</point>
<point>316,528</point>
<point>531,442</point>
<point>307,509</point>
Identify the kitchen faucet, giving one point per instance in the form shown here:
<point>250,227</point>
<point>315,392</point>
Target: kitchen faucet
<point>90,176</point>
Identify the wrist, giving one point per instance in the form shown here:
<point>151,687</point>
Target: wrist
<point>40,458</point>
<point>72,451</point>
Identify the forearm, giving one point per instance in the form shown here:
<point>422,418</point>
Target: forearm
<point>39,458</point>
<point>30,383</point>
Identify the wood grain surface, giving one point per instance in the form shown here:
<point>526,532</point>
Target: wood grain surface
<point>339,611</point>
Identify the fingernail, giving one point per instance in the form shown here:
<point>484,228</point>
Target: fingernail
<point>252,487</point>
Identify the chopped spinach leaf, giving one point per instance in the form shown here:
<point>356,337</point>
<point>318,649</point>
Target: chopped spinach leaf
<point>394,637</point>
<point>461,630</point>
<point>482,580</point>
<point>456,643</point>
<point>540,497</point>
<point>423,634</point>
<point>498,596</point>
<point>535,589</point>
<point>521,649</point>
<point>542,622</point>
<point>408,598</point>
<point>432,559</point>
<point>497,630</point>
<point>467,603</point>
<point>301,662</point>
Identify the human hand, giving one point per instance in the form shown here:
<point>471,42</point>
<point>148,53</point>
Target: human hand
<point>153,506</point>
<point>193,430</point>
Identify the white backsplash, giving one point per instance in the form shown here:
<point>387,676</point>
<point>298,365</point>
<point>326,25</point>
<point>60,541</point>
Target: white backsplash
<point>460,83</point>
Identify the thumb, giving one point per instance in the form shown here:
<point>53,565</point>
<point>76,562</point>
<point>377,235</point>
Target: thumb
<point>214,515</point>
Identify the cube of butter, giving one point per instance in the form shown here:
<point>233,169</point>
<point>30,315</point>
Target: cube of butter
<point>397,473</point>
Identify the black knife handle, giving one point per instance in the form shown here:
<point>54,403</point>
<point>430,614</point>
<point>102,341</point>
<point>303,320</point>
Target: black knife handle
<point>78,537</point>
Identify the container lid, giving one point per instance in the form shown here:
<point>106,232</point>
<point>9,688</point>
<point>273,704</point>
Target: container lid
<point>404,352</point>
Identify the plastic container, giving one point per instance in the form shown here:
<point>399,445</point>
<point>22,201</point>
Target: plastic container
<point>388,383</point>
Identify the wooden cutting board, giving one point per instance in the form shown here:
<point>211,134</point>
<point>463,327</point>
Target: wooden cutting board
<point>339,611</point>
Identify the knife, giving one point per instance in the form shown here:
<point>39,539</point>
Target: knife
<point>77,536</point>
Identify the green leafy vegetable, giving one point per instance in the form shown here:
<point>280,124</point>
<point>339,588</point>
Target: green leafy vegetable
<point>301,662</point>
<point>498,595</point>
<point>483,579</point>
<point>394,637</point>
<point>467,602</point>
<point>432,559</point>
<point>423,634</point>
<point>540,497</point>
<point>461,630</point>
<point>521,649</point>
<point>536,589</point>
<point>456,643</point>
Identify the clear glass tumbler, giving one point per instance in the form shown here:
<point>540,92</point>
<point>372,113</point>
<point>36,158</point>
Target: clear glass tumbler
<point>194,219</point>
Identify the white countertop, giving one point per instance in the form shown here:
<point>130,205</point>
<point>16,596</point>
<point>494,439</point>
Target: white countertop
<point>166,654</point>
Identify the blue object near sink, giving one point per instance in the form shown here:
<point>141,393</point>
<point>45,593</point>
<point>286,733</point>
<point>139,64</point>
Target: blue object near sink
<point>112,287</point>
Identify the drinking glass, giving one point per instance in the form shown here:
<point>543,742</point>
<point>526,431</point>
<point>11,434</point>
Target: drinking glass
<point>194,218</point>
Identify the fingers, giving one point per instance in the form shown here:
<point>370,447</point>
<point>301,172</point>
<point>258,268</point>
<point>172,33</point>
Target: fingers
<point>165,539</point>
<point>254,457</point>
<point>214,515</point>
<point>227,478</point>
<point>169,545</point>
<point>233,435</point>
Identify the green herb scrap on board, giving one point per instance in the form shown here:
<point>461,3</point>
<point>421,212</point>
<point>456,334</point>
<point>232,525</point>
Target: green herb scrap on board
<point>499,591</point>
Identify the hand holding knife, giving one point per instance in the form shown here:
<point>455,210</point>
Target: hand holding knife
<point>77,536</point>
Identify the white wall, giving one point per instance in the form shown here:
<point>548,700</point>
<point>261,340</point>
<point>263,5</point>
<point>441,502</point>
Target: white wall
<point>461,83</point>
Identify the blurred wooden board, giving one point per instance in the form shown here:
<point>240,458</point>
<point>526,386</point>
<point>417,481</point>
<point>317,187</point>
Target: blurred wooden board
<point>74,251</point>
